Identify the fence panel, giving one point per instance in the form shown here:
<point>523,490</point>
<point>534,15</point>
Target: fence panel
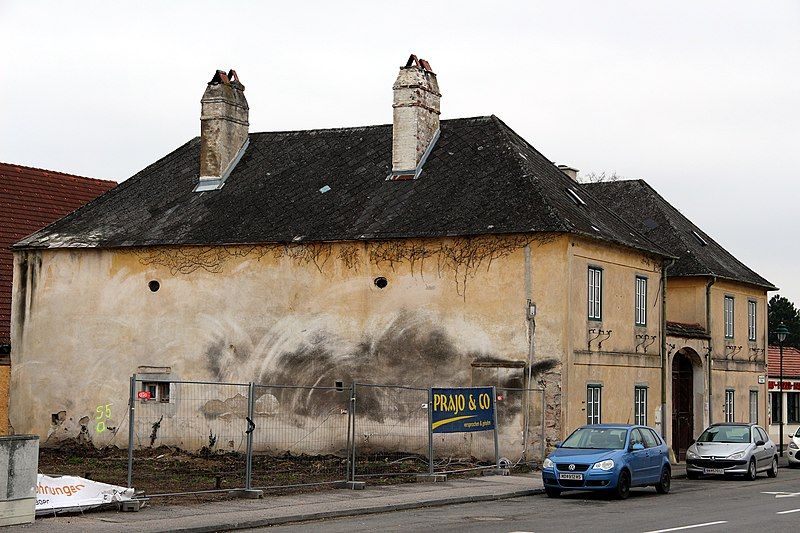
<point>300,436</point>
<point>390,431</point>
<point>188,436</point>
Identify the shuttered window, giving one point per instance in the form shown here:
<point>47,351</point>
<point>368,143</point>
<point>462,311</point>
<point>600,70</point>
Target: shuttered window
<point>751,320</point>
<point>593,407</point>
<point>728,316</point>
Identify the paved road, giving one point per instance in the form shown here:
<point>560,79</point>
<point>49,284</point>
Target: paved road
<point>724,505</point>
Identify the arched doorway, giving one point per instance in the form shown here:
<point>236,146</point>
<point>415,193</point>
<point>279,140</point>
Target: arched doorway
<point>682,404</point>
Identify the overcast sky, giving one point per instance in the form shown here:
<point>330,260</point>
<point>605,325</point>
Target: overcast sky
<point>701,99</point>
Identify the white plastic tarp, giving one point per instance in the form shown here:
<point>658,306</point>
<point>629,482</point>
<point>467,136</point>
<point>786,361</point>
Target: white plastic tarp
<point>69,494</point>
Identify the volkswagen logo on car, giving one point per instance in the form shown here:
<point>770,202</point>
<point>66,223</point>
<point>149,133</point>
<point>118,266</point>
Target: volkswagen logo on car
<point>571,467</point>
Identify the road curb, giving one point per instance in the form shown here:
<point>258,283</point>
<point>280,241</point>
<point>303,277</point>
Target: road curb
<point>306,517</point>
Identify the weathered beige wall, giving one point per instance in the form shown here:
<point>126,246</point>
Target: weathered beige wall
<point>620,362</point>
<point>84,320</point>
<point>5,380</point>
<point>686,300</point>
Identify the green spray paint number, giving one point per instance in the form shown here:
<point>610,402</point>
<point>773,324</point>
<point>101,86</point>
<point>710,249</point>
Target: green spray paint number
<point>103,415</point>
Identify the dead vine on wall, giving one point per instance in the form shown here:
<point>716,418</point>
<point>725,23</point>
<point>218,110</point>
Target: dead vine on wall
<point>460,257</point>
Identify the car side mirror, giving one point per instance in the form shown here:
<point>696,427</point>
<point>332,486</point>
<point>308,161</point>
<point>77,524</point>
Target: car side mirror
<point>760,443</point>
<point>692,441</point>
<point>791,435</point>
<point>558,444</point>
<point>637,446</point>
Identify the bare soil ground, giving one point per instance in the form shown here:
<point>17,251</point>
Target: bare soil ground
<point>165,470</point>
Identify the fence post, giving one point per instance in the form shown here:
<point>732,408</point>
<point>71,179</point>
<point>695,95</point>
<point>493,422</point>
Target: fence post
<point>353,455</point>
<point>349,432</point>
<point>248,472</point>
<point>544,427</point>
<point>131,415</point>
<point>430,431</point>
<point>496,441</point>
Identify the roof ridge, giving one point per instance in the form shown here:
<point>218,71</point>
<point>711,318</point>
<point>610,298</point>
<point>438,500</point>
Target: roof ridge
<point>506,131</point>
<point>2,164</point>
<point>356,128</point>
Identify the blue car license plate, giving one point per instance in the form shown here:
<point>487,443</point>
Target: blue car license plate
<point>573,477</point>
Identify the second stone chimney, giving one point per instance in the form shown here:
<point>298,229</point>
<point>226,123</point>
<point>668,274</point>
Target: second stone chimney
<point>416,118</point>
<point>223,129</point>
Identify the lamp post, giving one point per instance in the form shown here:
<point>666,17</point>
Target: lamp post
<point>781,331</point>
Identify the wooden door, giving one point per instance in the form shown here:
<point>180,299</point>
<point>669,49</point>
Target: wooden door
<point>682,405</point>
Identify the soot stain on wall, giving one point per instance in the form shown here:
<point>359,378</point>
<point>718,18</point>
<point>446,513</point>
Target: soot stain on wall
<point>412,351</point>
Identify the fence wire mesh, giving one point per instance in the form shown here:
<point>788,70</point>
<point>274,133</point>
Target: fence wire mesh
<point>300,436</point>
<point>204,437</point>
<point>390,431</point>
<point>188,436</point>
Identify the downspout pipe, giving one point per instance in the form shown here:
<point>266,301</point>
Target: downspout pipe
<point>665,266</point>
<point>710,283</point>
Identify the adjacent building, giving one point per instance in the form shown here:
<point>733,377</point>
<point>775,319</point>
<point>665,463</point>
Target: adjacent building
<point>30,199</point>
<point>784,399</point>
<point>424,252</point>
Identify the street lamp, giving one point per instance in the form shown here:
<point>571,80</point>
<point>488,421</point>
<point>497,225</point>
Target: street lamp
<point>781,331</point>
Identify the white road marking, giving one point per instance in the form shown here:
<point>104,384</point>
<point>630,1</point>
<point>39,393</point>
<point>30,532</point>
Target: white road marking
<point>688,527</point>
<point>783,494</point>
<point>789,511</point>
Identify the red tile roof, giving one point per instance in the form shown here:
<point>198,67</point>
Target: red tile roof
<point>30,199</point>
<point>791,362</point>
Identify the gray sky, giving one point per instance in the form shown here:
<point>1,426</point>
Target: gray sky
<point>701,99</point>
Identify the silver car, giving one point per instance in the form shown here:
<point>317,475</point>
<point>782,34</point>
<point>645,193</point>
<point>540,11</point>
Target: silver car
<point>738,449</point>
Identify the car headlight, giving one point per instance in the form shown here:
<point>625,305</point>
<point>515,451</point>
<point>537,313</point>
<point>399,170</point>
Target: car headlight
<point>690,454</point>
<point>547,463</point>
<point>737,455</point>
<point>792,446</point>
<point>608,464</point>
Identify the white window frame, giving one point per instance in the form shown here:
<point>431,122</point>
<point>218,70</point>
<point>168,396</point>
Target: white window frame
<point>594,404</point>
<point>640,405</point>
<point>754,407</point>
<point>751,320</point>
<point>729,405</point>
<point>728,307</point>
<point>641,301</point>
<point>595,293</point>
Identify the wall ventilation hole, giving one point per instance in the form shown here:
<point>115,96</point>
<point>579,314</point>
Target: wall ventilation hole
<point>154,285</point>
<point>381,282</point>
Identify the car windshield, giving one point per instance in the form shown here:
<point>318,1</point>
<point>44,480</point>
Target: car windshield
<point>738,434</point>
<point>597,439</point>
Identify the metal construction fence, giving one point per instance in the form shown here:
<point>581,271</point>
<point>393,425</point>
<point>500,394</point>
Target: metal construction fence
<point>194,437</point>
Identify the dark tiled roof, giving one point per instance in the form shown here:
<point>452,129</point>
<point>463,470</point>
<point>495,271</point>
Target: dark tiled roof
<point>686,331</point>
<point>30,199</point>
<point>644,209</point>
<point>791,361</point>
<point>480,178</point>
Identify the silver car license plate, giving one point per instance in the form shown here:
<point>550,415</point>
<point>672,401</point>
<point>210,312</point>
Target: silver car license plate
<point>574,477</point>
<point>713,471</point>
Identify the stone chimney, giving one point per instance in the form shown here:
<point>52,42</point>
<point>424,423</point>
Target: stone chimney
<point>416,118</point>
<point>223,129</point>
<point>569,171</point>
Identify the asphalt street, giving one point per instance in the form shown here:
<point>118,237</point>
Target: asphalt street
<point>704,505</point>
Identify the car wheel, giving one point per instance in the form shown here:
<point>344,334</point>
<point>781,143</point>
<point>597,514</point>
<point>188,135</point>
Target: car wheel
<point>662,487</point>
<point>751,471</point>
<point>773,471</point>
<point>692,475</point>
<point>552,493</point>
<point>623,485</point>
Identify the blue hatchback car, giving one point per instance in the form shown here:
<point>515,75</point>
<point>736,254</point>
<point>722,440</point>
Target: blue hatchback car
<point>608,457</point>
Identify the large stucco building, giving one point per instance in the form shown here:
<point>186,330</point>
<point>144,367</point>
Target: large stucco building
<point>408,253</point>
